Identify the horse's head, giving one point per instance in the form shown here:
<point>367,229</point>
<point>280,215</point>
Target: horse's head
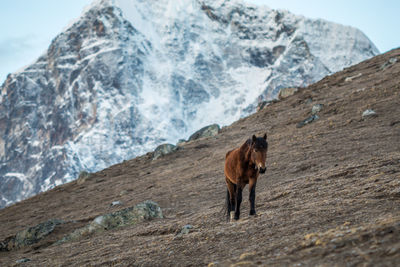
<point>259,148</point>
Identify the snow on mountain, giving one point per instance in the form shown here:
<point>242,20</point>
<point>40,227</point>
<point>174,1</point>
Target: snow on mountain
<point>131,74</point>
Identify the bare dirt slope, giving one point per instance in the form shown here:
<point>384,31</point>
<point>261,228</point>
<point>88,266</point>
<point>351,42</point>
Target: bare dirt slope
<point>330,196</point>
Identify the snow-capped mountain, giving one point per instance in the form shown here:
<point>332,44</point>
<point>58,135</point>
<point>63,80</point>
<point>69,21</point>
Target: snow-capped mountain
<point>131,74</point>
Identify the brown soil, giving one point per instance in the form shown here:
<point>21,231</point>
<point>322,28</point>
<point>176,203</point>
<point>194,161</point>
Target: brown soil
<point>330,196</point>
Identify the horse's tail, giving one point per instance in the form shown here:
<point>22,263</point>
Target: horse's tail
<point>226,204</point>
<point>224,209</point>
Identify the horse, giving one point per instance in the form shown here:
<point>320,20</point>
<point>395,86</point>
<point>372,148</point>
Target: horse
<point>243,165</point>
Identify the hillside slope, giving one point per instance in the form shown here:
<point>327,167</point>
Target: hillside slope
<point>331,193</point>
<point>129,75</point>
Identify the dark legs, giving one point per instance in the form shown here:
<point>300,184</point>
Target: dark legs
<point>252,196</point>
<point>234,198</point>
<point>239,190</point>
<point>228,205</point>
<point>230,198</point>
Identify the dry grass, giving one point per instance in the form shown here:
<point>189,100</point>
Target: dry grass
<point>330,196</point>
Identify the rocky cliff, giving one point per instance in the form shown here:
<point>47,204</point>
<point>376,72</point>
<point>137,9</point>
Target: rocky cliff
<point>129,75</point>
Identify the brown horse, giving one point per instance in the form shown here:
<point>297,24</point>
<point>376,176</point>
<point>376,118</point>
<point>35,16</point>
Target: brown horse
<point>243,166</point>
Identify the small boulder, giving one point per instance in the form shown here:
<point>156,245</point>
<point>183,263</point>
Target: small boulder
<point>163,149</point>
<point>247,256</point>
<point>316,108</point>
<point>262,105</point>
<point>307,121</point>
<point>116,203</point>
<point>185,230</point>
<point>83,177</point>
<point>351,78</point>
<point>368,113</point>
<point>389,63</point>
<point>23,260</point>
<point>207,131</point>
<point>286,92</point>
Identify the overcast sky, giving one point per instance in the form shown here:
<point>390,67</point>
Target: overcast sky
<point>28,26</point>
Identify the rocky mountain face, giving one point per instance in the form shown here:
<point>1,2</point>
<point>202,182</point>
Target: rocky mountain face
<point>129,75</point>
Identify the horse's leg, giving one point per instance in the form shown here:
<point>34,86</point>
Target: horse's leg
<point>228,204</point>
<point>233,201</point>
<point>230,195</point>
<point>252,196</point>
<point>239,189</point>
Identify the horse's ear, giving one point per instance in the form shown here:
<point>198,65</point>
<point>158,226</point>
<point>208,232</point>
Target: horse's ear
<point>265,136</point>
<point>254,138</point>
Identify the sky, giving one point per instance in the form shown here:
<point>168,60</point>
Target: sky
<point>28,26</point>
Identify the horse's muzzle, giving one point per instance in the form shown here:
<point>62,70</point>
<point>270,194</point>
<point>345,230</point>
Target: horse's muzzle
<point>262,170</point>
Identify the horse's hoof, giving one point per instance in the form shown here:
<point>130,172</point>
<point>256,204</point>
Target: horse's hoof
<point>253,213</point>
<point>232,215</point>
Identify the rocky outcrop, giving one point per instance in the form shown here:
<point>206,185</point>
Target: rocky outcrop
<point>286,92</point>
<point>163,149</point>
<point>144,211</point>
<point>207,131</point>
<point>130,216</point>
<point>30,235</point>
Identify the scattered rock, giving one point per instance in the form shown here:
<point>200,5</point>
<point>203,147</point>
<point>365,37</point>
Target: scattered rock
<point>185,230</point>
<point>307,121</point>
<point>181,142</point>
<point>116,203</point>
<point>83,177</point>
<point>262,105</point>
<point>309,100</point>
<point>29,236</point>
<point>368,113</point>
<point>316,108</point>
<point>130,216</point>
<point>207,131</point>
<point>393,123</point>
<point>389,63</point>
<point>23,260</point>
<point>123,192</point>
<point>286,92</point>
<point>350,78</point>
<point>163,149</point>
<point>247,256</point>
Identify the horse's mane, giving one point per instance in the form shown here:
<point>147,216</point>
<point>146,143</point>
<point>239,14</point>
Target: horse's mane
<point>245,151</point>
<point>260,143</point>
